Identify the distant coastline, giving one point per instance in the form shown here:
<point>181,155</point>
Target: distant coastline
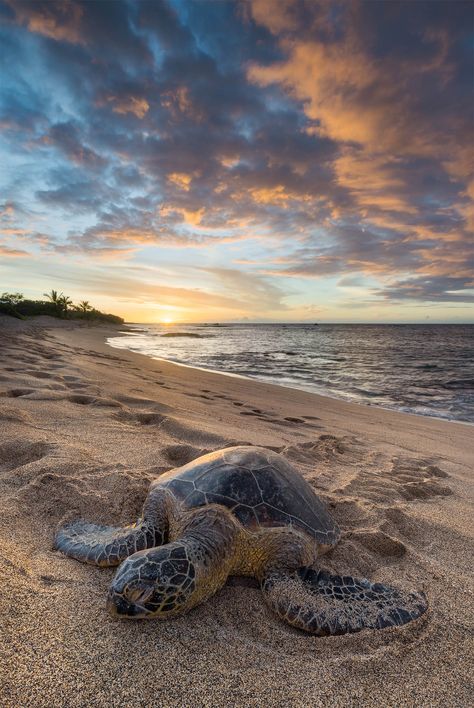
<point>53,304</point>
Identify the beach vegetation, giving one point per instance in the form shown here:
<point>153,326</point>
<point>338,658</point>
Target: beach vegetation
<point>84,306</point>
<point>64,302</point>
<point>60,301</point>
<point>56,304</point>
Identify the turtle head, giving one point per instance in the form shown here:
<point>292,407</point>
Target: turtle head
<point>156,583</point>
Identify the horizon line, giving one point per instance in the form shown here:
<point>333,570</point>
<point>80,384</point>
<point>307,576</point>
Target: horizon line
<point>306,323</point>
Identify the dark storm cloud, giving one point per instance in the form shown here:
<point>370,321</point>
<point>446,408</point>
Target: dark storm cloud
<point>339,131</point>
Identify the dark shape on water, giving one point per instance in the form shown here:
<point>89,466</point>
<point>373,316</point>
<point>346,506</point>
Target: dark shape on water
<point>192,335</point>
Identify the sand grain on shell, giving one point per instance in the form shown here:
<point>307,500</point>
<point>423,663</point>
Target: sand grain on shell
<point>83,430</point>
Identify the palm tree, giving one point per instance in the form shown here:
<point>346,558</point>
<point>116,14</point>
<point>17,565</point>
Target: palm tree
<point>60,301</point>
<point>64,302</point>
<point>84,306</point>
<point>55,298</point>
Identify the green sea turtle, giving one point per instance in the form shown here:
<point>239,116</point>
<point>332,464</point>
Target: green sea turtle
<point>237,511</point>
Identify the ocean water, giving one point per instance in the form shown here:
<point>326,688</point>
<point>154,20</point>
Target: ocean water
<point>421,369</point>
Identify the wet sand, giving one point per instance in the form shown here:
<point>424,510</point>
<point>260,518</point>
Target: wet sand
<point>84,428</point>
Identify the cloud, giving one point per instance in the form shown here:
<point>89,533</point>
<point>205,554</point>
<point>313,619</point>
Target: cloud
<point>435,289</point>
<point>13,252</point>
<point>277,17</point>
<point>401,136</point>
<point>250,290</point>
<point>181,180</point>
<point>127,104</point>
<point>296,139</point>
<point>60,21</point>
<point>67,138</point>
<point>242,292</point>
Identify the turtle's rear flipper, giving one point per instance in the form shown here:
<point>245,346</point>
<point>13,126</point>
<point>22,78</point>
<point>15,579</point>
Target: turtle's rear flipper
<point>105,545</point>
<point>322,604</point>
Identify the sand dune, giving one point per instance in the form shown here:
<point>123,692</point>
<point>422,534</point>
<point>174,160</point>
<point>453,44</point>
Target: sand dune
<point>83,431</point>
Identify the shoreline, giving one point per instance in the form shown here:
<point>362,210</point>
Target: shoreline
<point>86,427</point>
<point>348,393</point>
<point>293,388</point>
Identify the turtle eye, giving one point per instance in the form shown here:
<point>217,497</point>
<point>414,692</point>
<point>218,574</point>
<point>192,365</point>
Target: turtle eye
<point>138,595</point>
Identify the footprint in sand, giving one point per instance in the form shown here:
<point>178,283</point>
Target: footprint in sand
<point>182,454</point>
<point>198,395</point>
<point>45,394</point>
<point>76,386</point>
<point>17,392</point>
<point>140,417</point>
<point>14,415</point>
<point>372,548</point>
<point>379,543</point>
<point>417,479</point>
<point>383,480</point>
<point>399,522</point>
<point>84,400</point>
<point>38,374</point>
<point>21,452</point>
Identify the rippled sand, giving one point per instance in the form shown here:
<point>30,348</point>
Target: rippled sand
<point>84,428</point>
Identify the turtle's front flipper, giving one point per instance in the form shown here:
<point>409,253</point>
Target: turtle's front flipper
<point>110,545</point>
<point>323,604</point>
<point>105,545</point>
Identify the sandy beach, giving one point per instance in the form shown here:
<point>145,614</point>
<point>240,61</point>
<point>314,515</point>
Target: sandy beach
<point>85,427</point>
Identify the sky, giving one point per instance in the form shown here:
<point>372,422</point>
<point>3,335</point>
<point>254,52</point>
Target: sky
<point>264,160</point>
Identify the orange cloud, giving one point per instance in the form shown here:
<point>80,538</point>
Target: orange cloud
<point>58,20</point>
<point>7,210</point>
<point>356,101</point>
<point>179,102</point>
<point>362,172</point>
<point>278,196</point>
<point>14,232</point>
<point>276,16</point>
<point>350,97</point>
<point>330,79</point>
<point>181,180</point>
<point>190,216</point>
<point>229,161</point>
<point>129,104</point>
<point>13,253</point>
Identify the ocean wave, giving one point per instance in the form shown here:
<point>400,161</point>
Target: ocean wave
<point>427,370</point>
<point>192,335</point>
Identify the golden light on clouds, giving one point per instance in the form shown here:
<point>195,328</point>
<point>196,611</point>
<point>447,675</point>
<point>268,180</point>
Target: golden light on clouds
<point>138,106</point>
<point>254,154</point>
<point>181,180</point>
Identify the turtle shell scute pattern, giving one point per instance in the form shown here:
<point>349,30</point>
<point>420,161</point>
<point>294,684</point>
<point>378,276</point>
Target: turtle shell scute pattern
<point>260,488</point>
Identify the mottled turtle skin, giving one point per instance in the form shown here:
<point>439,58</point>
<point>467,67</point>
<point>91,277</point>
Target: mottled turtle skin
<point>237,511</point>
